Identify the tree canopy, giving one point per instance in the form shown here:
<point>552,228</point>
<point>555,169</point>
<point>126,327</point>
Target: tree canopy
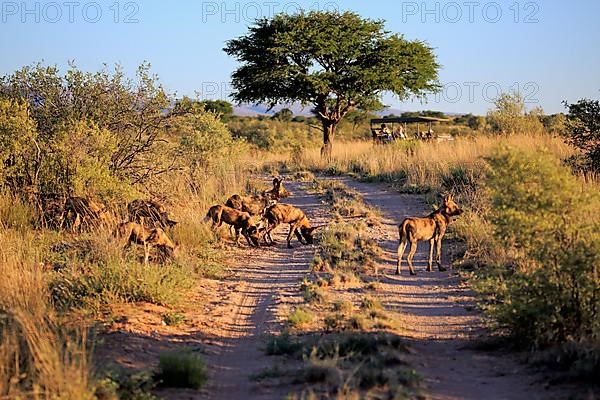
<point>583,129</point>
<point>336,61</point>
<point>220,107</point>
<point>285,115</point>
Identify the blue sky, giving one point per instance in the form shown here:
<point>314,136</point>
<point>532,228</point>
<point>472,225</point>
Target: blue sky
<point>548,49</point>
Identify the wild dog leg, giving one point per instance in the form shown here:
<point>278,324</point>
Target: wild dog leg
<point>401,248</point>
<point>438,254</point>
<point>290,235</point>
<point>237,236</point>
<point>270,229</point>
<point>299,237</point>
<point>430,260</point>
<point>411,254</point>
<point>247,236</point>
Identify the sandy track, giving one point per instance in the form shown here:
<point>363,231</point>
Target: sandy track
<point>268,284</point>
<point>437,324</point>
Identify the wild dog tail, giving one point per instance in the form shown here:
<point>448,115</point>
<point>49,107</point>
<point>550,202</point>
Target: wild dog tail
<point>403,231</point>
<point>214,213</point>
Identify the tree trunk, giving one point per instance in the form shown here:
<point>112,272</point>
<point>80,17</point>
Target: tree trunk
<point>328,135</point>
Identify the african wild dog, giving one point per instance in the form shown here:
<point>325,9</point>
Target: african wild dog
<point>241,221</point>
<point>287,214</point>
<point>135,233</point>
<point>431,228</point>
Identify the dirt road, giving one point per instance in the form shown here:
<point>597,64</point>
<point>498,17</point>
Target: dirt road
<point>434,310</point>
<point>269,278</point>
<point>433,306</point>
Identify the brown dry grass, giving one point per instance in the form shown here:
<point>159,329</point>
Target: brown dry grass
<point>423,164</point>
<point>39,358</point>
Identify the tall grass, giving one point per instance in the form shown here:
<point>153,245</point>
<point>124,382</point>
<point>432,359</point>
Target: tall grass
<point>422,165</point>
<point>38,357</point>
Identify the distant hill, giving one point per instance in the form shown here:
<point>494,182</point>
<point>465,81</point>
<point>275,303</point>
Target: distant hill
<point>251,110</point>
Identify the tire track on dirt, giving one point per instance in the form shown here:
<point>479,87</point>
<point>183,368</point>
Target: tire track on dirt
<point>437,324</point>
<point>268,285</point>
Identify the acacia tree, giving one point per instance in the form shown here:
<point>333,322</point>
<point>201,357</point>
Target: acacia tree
<point>336,61</point>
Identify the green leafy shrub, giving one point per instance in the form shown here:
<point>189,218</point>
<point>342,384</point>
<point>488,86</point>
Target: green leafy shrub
<point>349,363</point>
<point>282,344</point>
<point>184,369</point>
<point>547,224</point>
<point>173,318</point>
<point>510,117</point>
<point>123,385</point>
<point>300,316</point>
<point>314,293</point>
<point>273,134</point>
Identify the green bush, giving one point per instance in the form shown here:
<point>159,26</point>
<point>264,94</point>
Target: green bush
<point>173,318</point>
<point>120,281</point>
<point>123,385</point>
<point>510,117</point>
<point>344,365</point>
<point>300,316</point>
<point>98,142</point>
<point>183,369</point>
<point>282,344</point>
<point>547,224</point>
<point>274,134</point>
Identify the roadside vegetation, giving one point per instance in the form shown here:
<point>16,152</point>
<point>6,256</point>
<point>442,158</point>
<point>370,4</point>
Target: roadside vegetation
<point>90,139</point>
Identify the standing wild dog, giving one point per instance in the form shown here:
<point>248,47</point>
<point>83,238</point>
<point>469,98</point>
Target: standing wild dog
<point>239,220</point>
<point>278,191</point>
<point>431,228</point>
<point>135,233</point>
<point>256,204</point>
<point>287,214</point>
<point>253,205</point>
